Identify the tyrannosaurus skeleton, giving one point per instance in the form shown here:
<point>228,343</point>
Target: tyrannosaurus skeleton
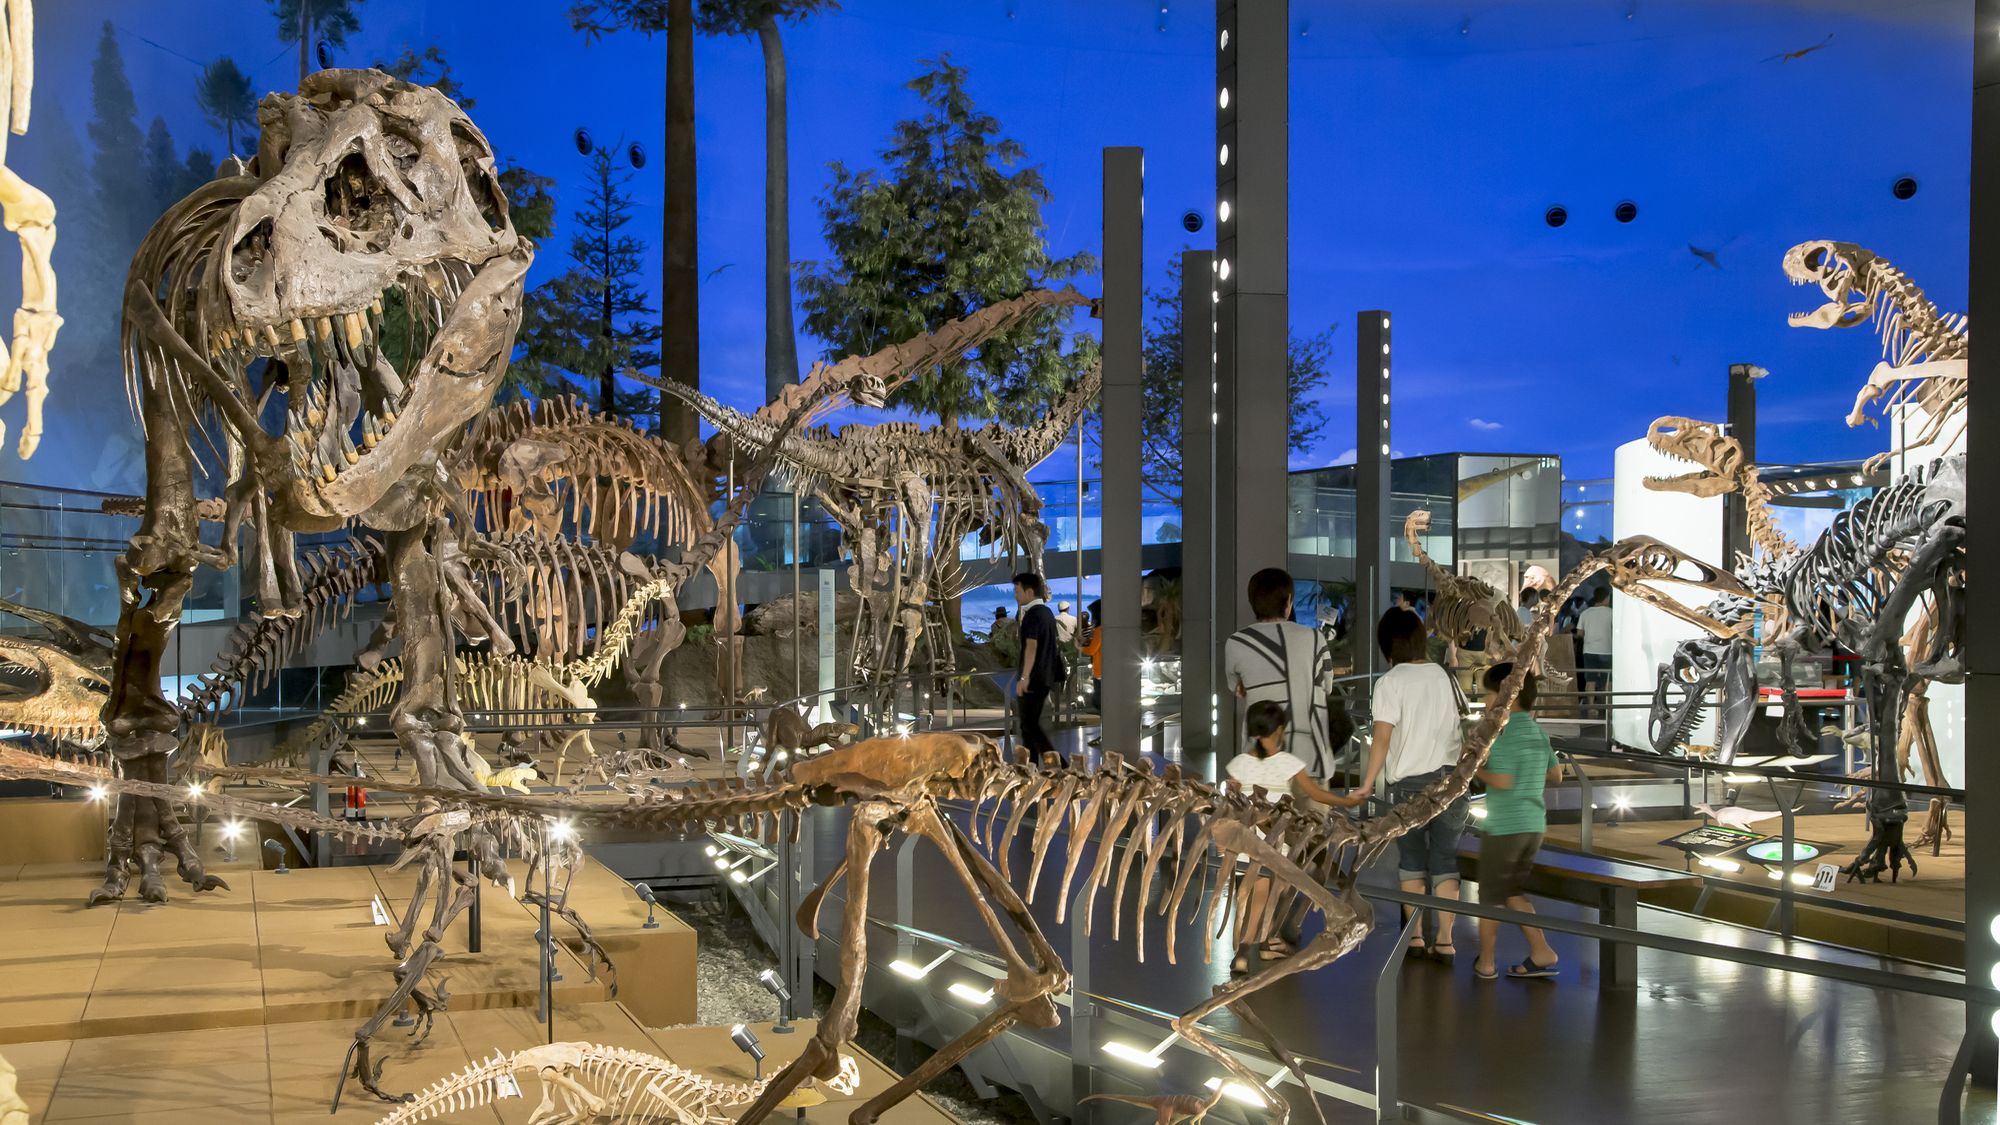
<point>368,195</point>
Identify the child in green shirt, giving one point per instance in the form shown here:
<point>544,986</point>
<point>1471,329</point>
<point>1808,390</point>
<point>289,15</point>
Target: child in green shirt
<point>1519,765</point>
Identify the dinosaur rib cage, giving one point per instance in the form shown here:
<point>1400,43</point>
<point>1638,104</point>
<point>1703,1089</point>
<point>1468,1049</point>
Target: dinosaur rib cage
<point>610,481</point>
<point>1842,580</point>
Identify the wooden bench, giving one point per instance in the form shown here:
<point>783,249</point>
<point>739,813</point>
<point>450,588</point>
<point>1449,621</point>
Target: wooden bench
<point>1611,886</point>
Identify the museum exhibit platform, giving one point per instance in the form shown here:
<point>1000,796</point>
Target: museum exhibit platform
<point>298,947</point>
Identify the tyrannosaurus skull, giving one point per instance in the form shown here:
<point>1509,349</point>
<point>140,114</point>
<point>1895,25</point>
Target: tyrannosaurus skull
<point>379,218</point>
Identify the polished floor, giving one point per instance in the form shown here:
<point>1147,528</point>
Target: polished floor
<point>1699,1040</point>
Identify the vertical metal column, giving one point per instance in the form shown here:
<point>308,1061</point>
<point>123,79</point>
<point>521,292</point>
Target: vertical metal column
<point>1371,484</point>
<point>1252,133</point>
<point>1743,427</point>
<point>1982,623</point>
<point>1124,297</point>
<point>1199,683</point>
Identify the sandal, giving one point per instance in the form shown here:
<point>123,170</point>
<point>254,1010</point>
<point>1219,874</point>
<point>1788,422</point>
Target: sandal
<point>1443,954</point>
<point>1477,975</point>
<point>1275,950</point>
<point>1528,970</point>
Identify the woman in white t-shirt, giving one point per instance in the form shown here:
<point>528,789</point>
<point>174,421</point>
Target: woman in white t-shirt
<point>1267,767</point>
<point>1417,739</point>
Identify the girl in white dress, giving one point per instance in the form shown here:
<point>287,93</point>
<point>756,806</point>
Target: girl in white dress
<point>1266,767</point>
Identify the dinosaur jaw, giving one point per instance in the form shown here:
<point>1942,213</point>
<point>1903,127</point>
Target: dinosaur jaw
<point>1716,458</point>
<point>45,691</point>
<point>354,424</point>
<point>1834,267</point>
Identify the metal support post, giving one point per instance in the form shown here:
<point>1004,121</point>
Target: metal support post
<point>1124,300</point>
<point>1371,484</point>
<point>472,914</point>
<point>1982,541</point>
<point>1199,683</point>
<point>1388,984</point>
<point>1248,286</point>
<point>1743,427</point>
<point>1081,1015</point>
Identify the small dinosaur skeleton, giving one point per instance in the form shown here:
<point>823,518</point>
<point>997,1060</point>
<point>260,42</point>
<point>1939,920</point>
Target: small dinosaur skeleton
<point>592,1082</point>
<point>1923,350</point>
<point>1465,605</point>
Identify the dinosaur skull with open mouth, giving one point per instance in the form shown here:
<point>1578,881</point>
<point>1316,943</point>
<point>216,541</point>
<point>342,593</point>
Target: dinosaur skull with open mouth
<point>379,234</point>
<point>1717,456</point>
<point>1836,268</point>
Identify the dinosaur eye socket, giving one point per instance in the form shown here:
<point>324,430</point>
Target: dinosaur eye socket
<point>356,198</point>
<point>1815,258</point>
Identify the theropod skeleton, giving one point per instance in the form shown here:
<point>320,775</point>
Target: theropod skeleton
<point>899,785</point>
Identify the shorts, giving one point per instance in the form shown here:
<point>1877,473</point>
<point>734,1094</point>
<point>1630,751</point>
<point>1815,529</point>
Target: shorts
<point>1429,850</point>
<point>1505,862</point>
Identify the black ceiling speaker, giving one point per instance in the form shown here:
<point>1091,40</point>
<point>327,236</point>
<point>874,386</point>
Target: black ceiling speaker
<point>1903,188</point>
<point>1191,221</point>
<point>582,138</point>
<point>636,153</point>
<point>1555,216</point>
<point>1626,211</point>
<point>324,51</point>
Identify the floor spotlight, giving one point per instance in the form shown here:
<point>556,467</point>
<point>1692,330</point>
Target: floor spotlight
<point>746,1042</point>
<point>645,894</point>
<point>277,849</point>
<point>776,987</point>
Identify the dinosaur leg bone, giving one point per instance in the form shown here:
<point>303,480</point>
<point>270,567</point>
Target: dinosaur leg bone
<point>821,1054</point>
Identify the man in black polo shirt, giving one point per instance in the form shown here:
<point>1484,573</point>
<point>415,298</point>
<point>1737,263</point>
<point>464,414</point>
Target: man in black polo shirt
<point>1042,667</point>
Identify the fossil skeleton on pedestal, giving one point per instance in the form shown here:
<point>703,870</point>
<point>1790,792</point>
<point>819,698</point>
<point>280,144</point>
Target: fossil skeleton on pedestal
<point>905,498</point>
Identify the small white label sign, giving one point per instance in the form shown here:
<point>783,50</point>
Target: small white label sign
<point>504,1086</point>
<point>1824,876</point>
<point>457,818</point>
<point>375,909</point>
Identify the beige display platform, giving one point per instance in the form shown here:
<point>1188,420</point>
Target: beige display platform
<point>286,1072</point>
<point>45,830</point>
<point>298,947</point>
<point>1937,891</point>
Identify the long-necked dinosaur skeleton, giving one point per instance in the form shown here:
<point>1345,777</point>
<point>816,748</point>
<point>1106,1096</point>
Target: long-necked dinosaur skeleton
<point>1923,350</point>
<point>905,498</point>
<point>594,1081</point>
<point>24,362</point>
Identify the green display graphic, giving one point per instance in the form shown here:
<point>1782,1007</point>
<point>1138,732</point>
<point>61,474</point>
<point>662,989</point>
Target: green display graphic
<point>1773,851</point>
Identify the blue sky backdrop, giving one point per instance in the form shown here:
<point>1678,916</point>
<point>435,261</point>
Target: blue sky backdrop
<point>1427,141</point>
